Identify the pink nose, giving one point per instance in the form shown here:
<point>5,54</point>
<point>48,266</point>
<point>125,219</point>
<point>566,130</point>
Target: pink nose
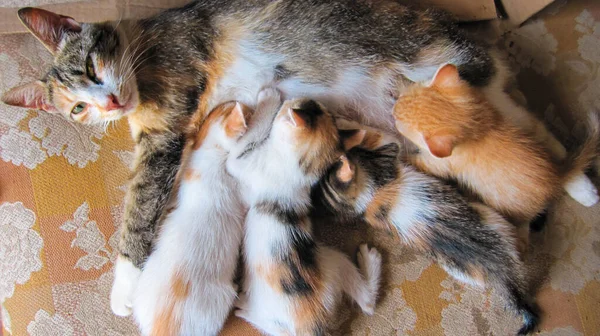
<point>113,103</point>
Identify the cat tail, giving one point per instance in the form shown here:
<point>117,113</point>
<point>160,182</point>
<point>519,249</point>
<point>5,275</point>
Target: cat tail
<point>578,161</point>
<point>512,288</point>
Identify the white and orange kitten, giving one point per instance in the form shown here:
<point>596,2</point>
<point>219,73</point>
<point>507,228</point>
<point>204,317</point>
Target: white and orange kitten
<point>186,287</point>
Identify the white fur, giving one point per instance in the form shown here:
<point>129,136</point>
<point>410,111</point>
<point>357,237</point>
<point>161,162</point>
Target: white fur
<point>272,172</point>
<point>199,241</point>
<point>581,189</point>
<point>125,281</point>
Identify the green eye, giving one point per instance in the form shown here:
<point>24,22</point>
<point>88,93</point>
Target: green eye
<point>90,71</point>
<point>78,108</point>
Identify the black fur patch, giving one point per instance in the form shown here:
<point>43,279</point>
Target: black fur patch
<point>379,164</point>
<point>281,212</point>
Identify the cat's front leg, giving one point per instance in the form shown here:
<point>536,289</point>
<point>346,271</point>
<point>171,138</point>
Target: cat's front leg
<point>124,284</point>
<point>159,159</point>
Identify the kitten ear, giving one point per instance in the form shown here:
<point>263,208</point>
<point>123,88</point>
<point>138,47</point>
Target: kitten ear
<point>294,118</point>
<point>447,76</point>
<point>235,123</point>
<point>353,139</point>
<point>48,27</point>
<point>32,95</point>
<point>345,172</point>
<point>440,145</point>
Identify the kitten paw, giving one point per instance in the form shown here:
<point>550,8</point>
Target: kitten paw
<point>126,278</point>
<point>268,93</point>
<point>581,189</point>
<point>369,262</point>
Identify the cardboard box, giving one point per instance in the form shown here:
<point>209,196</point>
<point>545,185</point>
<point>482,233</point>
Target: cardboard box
<point>517,11</point>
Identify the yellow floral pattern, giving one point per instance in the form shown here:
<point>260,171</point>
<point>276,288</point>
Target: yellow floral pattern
<point>62,186</point>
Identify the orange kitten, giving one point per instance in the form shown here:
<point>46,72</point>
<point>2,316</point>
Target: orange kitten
<point>462,136</point>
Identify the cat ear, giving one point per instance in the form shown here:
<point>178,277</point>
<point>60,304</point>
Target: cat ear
<point>32,95</point>
<point>345,173</point>
<point>48,27</point>
<point>440,145</point>
<point>353,139</point>
<point>235,123</point>
<point>447,76</point>
<point>294,118</point>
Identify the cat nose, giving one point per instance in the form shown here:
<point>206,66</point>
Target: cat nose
<point>113,103</point>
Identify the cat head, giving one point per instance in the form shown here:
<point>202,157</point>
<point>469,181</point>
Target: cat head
<point>439,115</point>
<point>305,132</point>
<point>223,127</point>
<point>91,79</point>
<point>349,184</point>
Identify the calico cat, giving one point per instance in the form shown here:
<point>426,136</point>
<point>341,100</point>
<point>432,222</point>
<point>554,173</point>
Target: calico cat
<point>160,71</point>
<point>462,136</point>
<point>186,286</point>
<point>293,283</point>
<point>470,241</point>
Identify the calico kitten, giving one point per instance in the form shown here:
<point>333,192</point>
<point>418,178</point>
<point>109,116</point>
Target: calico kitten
<point>186,286</point>
<point>159,71</point>
<point>462,136</point>
<point>292,283</point>
<point>470,241</point>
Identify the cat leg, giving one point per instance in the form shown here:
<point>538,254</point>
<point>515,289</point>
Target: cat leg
<point>124,284</point>
<point>362,288</point>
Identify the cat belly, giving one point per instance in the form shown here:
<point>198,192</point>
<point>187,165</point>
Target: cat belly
<point>366,95</point>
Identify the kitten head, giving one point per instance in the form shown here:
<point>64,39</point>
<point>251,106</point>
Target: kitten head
<point>349,184</point>
<point>441,114</point>
<point>223,126</point>
<point>305,132</point>
<point>91,79</point>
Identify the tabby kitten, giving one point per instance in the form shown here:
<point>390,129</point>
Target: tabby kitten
<point>470,241</point>
<point>186,286</point>
<point>463,137</point>
<point>292,283</point>
<point>158,72</point>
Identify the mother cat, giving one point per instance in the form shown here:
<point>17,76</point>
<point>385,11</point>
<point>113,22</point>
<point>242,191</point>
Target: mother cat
<point>163,71</point>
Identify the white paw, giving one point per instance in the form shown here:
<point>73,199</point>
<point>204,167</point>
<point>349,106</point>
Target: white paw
<point>124,284</point>
<point>581,189</point>
<point>268,93</point>
<point>369,261</point>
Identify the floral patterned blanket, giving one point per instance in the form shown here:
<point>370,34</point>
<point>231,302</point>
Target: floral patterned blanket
<point>62,185</point>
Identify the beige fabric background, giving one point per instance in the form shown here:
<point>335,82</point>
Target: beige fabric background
<point>61,189</point>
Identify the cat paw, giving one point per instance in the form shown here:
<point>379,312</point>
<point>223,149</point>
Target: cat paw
<point>268,93</point>
<point>369,262</point>
<point>121,295</point>
<point>581,189</point>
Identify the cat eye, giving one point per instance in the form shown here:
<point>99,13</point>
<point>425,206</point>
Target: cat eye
<point>79,108</point>
<point>91,71</point>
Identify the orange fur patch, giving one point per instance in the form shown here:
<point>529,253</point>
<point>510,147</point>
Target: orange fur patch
<point>167,322</point>
<point>503,165</point>
<point>191,175</point>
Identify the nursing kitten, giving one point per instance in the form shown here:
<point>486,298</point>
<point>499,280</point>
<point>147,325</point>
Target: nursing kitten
<point>292,283</point>
<point>186,286</point>
<point>159,71</point>
<point>470,241</point>
<point>462,136</point>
